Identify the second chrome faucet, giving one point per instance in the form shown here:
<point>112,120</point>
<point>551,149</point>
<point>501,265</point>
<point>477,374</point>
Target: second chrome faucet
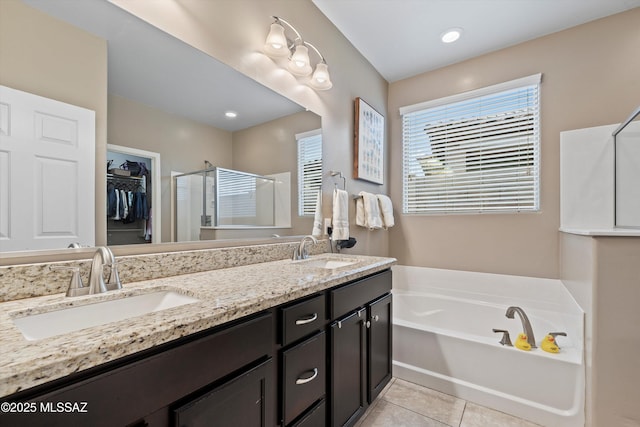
<point>526,324</point>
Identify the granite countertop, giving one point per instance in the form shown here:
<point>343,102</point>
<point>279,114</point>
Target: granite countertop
<point>223,295</point>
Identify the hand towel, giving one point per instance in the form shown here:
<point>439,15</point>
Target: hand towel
<point>386,208</point>
<point>369,210</point>
<point>317,218</point>
<point>340,215</point>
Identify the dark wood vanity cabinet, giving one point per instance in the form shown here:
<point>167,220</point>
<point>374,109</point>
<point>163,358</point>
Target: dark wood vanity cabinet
<point>168,383</point>
<point>318,361</point>
<point>360,346</point>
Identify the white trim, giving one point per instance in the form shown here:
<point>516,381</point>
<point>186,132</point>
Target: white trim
<point>156,222</point>
<point>308,134</point>
<point>524,81</point>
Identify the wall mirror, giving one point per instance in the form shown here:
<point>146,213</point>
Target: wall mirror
<point>165,96</point>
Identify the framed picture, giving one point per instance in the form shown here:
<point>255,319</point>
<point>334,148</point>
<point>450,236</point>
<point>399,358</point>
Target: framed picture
<point>368,154</point>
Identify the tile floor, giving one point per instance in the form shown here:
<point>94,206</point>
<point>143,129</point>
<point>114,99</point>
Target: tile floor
<point>404,404</point>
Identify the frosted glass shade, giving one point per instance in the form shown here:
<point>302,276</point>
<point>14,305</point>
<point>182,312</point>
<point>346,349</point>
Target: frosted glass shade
<point>299,62</point>
<point>276,44</point>
<point>321,79</point>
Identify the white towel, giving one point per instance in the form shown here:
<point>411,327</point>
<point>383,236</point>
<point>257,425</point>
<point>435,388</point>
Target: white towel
<point>317,218</point>
<point>340,215</point>
<point>368,211</point>
<point>386,208</point>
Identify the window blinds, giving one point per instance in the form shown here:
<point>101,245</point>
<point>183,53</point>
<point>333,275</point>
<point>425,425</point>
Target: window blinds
<point>236,194</point>
<point>309,170</point>
<point>475,152</point>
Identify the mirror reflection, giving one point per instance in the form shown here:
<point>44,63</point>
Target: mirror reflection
<point>168,99</point>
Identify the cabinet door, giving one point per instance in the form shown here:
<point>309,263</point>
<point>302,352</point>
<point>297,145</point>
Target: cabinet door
<point>379,348</point>
<point>245,400</point>
<point>348,377</point>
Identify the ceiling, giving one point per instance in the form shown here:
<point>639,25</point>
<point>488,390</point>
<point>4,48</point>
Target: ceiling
<point>156,69</point>
<point>401,38</point>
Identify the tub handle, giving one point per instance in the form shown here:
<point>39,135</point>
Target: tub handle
<point>506,340</point>
<point>555,334</point>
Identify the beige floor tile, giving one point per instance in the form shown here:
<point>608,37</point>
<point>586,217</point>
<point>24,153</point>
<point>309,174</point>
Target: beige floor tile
<point>430,403</point>
<point>386,414</point>
<point>479,416</point>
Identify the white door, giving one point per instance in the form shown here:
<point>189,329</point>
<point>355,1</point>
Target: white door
<point>47,173</point>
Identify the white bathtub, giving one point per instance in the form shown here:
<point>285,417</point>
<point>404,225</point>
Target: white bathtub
<point>443,339</point>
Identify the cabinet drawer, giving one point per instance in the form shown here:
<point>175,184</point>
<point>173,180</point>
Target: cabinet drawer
<point>315,418</point>
<point>304,382</point>
<point>301,319</point>
<point>356,294</point>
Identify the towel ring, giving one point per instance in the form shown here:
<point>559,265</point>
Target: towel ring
<point>339,174</point>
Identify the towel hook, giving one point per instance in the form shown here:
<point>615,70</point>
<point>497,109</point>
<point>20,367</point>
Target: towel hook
<point>339,174</point>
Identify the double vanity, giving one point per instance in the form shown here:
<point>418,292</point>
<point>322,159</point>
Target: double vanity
<point>278,343</point>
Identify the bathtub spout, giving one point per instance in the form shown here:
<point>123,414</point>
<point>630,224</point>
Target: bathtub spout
<point>526,325</point>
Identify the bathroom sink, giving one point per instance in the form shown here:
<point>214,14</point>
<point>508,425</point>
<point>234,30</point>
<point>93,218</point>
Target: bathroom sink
<point>52,323</point>
<point>327,263</point>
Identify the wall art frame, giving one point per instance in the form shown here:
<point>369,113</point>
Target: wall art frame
<point>368,152</point>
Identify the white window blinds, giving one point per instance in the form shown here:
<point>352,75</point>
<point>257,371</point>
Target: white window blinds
<point>475,152</point>
<point>309,170</point>
<point>236,195</point>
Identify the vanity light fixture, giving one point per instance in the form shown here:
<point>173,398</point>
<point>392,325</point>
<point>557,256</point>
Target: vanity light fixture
<point>278,45</point>
<point>451,35</point>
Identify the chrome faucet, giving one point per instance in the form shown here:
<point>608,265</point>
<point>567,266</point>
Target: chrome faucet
<point>97,285</point>
<point>301,251</point>
<point>526,325</point>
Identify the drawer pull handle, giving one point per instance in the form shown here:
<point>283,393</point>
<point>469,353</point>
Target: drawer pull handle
<point>300,381</point>
<point>306,320</point>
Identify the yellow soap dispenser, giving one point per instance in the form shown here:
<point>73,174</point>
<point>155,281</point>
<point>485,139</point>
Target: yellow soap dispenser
<point>549,345</point>
<point>522,343</point>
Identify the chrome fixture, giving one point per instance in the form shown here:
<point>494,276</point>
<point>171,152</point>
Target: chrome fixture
<point>278,45</point>
<point>555,334</point>
<point>506,340</point>
<point>301,251</point>
<point>103,257</point>
<point>526,325</point>
<point>76,287</point>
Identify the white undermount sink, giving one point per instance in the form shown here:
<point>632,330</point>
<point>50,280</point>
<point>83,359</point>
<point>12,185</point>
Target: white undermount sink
<point>327,263</point>
<point>57,322</point>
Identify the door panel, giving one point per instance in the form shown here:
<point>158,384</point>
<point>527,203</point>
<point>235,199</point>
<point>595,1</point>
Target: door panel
<point>47,183</point>
<point>347,374</point>
<point>379,355</point>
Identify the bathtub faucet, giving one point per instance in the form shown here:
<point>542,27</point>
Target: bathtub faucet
<point>526,325</point>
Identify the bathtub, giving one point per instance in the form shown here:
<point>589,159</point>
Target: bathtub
<point>443,339</point>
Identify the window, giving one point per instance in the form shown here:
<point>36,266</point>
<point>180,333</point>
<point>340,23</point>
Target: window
<point>236,196</point>
<point>474,152</point>
<point>309,170</point>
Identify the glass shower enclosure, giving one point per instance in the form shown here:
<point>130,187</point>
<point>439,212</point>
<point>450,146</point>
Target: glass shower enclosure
<point>217,198</point>
<point>627,172</point>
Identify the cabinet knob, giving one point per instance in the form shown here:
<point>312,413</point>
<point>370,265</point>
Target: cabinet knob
<point>313,376</point>
<point>306,320</point>
<point>376,318</point>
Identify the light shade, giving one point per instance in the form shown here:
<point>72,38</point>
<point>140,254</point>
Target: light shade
<point>276,44</point>
<point>321,79</point>
<point>299,62</point>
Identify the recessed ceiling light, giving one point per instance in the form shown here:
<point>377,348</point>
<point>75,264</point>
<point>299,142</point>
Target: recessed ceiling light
<point>451,35</point>
<point>231,114</point>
